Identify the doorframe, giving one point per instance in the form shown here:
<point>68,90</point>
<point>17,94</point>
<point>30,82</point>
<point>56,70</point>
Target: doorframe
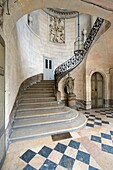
<point>105,88</point>
<point>49,58</point>
<point>97,89</point>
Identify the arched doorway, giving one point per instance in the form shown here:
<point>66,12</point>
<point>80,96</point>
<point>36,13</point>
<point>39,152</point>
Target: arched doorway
<point>2,103</point>
<point>97,90</point>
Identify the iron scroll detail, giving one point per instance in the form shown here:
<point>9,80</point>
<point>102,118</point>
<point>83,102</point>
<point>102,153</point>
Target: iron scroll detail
<point>79,55</point>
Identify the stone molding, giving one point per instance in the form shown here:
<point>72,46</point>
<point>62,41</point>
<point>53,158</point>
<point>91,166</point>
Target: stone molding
<point>61,13</point>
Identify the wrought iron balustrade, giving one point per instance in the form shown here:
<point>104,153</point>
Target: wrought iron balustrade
<point>79,55</point>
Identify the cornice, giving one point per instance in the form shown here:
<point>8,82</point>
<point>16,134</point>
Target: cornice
<point>60,13</point>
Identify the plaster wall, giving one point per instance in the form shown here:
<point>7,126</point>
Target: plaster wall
<point>100,60</point>
<point>13,73</point>
<point>85,22</point>
<point>60,52</point>
<point>22,61</point>
<point>33,19</point>
<point>30,48</point>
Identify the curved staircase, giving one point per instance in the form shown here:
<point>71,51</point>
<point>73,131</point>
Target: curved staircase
<point>39,113</point>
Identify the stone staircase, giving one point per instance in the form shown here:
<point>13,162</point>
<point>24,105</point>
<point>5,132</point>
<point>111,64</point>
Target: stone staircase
<point>39,113</point>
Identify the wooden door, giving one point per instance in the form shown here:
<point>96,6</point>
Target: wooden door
<point>97,90</point>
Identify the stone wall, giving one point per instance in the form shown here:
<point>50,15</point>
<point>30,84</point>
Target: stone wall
<point>60,52</point>
<point>100,60</point>
<point>13,73</point>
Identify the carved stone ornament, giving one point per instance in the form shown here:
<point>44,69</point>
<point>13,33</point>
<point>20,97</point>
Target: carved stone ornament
<point>69,84</point>
<point>57,30</point>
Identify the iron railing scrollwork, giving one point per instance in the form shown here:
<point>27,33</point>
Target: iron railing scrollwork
<point>79,55</point>
<point>93,33</point>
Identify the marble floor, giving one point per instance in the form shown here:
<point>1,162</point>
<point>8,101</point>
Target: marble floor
<point>90,148</point>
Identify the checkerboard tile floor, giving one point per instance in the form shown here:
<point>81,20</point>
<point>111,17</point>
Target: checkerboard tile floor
<point>105,141</point>
<point>62,156</point>
<point>96,120</point>
<point>81,152</point>
<point>107,113</point>
<point>72,154</point>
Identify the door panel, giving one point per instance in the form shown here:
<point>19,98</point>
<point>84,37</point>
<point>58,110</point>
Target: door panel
<point>97,90</point>
<point>100,93</point>
<point>93,93</point>
<point>48,69</point>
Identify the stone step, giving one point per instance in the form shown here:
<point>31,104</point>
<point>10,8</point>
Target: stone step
<point>35,99</point>
<point>40,109</point>
<point>39,90</point>
<point>41,95</point>
<point>48,128</point>
<point>44,119</point>
<point>50,81</point>
<point>38,104</point>
<point>47,81</point>
<point>39,114</point>
<point>50,113</point>
<point>42,85</point>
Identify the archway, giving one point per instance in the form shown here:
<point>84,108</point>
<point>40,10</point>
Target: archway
<point>97,90</point>
<point>2,102</point>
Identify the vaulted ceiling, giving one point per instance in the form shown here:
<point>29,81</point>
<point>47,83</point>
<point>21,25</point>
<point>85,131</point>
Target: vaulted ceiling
<point>18,8</point>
